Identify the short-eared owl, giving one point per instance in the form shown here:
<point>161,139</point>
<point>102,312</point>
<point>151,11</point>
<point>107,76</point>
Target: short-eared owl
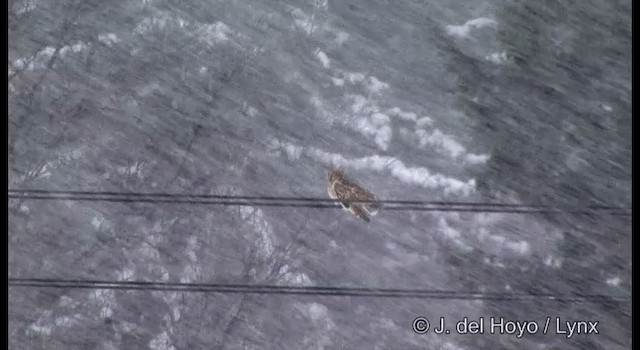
<point>342,188</point>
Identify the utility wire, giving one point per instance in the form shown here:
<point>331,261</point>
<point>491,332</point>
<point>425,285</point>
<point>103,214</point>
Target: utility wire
<point>308,202</point>
<point>304,290</point>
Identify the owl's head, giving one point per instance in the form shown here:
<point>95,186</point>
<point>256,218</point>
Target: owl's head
<point>335,175</point>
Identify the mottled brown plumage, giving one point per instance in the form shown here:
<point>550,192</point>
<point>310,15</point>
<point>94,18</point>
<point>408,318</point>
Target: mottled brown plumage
<point>342,188</point>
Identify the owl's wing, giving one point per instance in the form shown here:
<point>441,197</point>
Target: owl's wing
<point>353,192</point>
<point>344,192</point>
<point>363,194</point>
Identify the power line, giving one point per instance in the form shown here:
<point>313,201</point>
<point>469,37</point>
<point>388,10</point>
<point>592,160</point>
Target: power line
<point>303,290</point>
<point>307,202</point>
<point>278,198</point>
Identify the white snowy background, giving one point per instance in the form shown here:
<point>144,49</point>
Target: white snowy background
<point>492,100</point>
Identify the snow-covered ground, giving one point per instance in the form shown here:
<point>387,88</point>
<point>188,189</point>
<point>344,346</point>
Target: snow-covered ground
<point>468,101</point>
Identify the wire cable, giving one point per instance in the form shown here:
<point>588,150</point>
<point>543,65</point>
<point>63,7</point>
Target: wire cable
<point>303,290</point>
<point>307,202</point>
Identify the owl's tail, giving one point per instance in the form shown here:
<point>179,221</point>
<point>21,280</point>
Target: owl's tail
<point>373,208</point>
<point>360,211</point>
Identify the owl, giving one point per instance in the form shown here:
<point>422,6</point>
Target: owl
<point>342,188</point>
